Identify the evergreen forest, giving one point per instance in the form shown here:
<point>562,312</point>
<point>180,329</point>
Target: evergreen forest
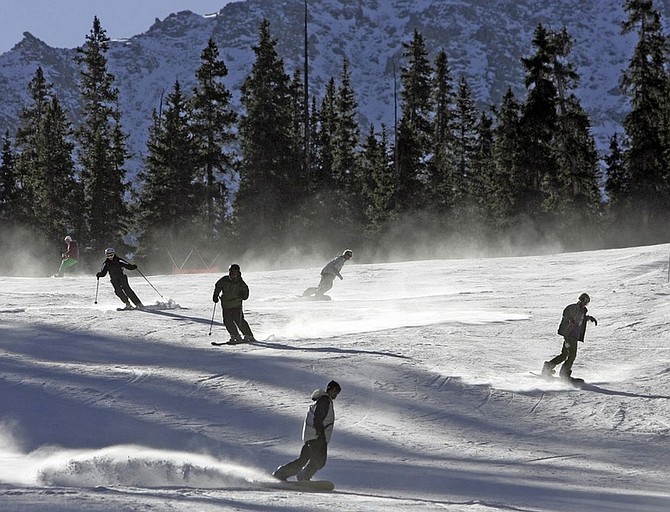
<point>296,174</point>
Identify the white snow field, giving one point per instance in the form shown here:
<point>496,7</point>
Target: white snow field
<point>102,410</point>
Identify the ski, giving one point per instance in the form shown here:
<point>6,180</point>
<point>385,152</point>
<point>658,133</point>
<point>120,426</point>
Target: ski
<point>221,343</point>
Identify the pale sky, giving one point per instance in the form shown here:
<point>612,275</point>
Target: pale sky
<point>66,23</point>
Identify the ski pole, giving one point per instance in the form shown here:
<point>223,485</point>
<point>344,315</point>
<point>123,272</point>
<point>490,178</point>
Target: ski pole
<point>97,285</point>
<point>212,322</point>
<point>159,293</point>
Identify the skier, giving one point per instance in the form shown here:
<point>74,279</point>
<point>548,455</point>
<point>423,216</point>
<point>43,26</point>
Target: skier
<point>70,257</point>
<point>328,274</point>
<point>316,432</point>
<point>117,276</point>
<point>572,328</point>
<point>232,290</point>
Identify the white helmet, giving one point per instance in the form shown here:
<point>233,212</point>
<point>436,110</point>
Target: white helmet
<point>68,238</point>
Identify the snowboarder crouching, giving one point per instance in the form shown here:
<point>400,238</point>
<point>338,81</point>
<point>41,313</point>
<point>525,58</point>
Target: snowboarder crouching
<point>572,328</point>
<point>328,274</point>
<point>70,257</point>
<point>117,276</point>
<point>232,290</point>
<point>316,432</point>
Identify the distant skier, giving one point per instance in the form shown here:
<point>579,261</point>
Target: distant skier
<point>328,274</point>
<point>70,257</point>
<point>316,432</point>
<point>572,328</point>
<point>232,290</point>
<point>117,276</point>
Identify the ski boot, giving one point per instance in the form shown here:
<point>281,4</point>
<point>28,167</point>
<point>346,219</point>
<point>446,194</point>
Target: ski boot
<point>548,370</point>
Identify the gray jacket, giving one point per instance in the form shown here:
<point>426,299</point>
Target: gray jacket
<point>334,266</point>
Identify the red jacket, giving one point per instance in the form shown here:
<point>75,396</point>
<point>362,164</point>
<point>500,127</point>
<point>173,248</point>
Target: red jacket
<point>72,250</point>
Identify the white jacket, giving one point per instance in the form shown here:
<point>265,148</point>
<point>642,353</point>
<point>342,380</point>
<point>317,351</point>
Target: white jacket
<point>320,416</point>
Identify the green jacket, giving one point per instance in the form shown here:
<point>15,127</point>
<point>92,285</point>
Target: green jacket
<point>231,292</point>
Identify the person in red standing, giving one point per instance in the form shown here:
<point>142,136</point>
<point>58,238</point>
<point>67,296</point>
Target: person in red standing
<point>70,257</point>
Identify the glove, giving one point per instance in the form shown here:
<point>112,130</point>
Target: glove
<point>593,320</point>
<point>215,298</point>
<point>132,267</point>
<point>98,275</point>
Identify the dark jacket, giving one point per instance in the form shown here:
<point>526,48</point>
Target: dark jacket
<point>115,268</point>
<point>72,250</point>
<point>231,292</point>
<point>573,323</point>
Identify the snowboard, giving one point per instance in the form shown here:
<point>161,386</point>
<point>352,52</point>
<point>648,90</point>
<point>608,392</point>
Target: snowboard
<point>574,382</point>
<point>314,297</point>
<point>305,485</point>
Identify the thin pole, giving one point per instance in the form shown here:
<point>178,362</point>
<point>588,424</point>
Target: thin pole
<point>97,285</point>
<point>212,322</point>
<point>159,293</point>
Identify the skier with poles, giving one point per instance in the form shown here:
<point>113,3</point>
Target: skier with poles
<point>232,290</point>
<point>117,276</point>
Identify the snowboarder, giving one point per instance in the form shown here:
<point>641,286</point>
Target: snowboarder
<point>70,257</point>
<point>328,274</point>
<point>232,290</point>
<point>316,432</point>
<point>572,328</point>
<point>117,276</point>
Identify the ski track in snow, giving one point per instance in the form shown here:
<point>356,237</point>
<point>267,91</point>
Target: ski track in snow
<point>106,410</point>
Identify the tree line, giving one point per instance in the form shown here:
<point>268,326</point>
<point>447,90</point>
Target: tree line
<point>292,171</point>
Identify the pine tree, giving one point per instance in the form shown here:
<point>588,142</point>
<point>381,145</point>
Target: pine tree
<point>573,187</point>
<point>9,183</point>
<point>538,125</point>
<point>617,184</point>
<point>102,151</point>
<point>58,205</point>
<point>346,165</point>
<point>272,158</point>
<point>168,196</point>
<point>466,183</point>
<point>507,195</point>
<point>414,132</point>
<point>213,121</point>
<point>323,177</point>
<point>27,146</point>
<point>647,128</point>
<point>441,165</point>
<point>378,181</point>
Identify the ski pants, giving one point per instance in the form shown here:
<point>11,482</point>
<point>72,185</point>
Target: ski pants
<point>568,354</point>
<point>312,458</point>
<point>325,284</point>
<point>233,318</point>
<point>123,290</point>
<point>66,263</point>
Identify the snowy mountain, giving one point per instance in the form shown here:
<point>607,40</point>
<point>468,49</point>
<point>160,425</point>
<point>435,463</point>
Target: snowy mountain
<point>483,39</point>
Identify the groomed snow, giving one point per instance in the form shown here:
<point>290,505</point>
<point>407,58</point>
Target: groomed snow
<point>104,410</point>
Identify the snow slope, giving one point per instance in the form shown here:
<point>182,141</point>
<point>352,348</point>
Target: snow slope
<point>103,410</point>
